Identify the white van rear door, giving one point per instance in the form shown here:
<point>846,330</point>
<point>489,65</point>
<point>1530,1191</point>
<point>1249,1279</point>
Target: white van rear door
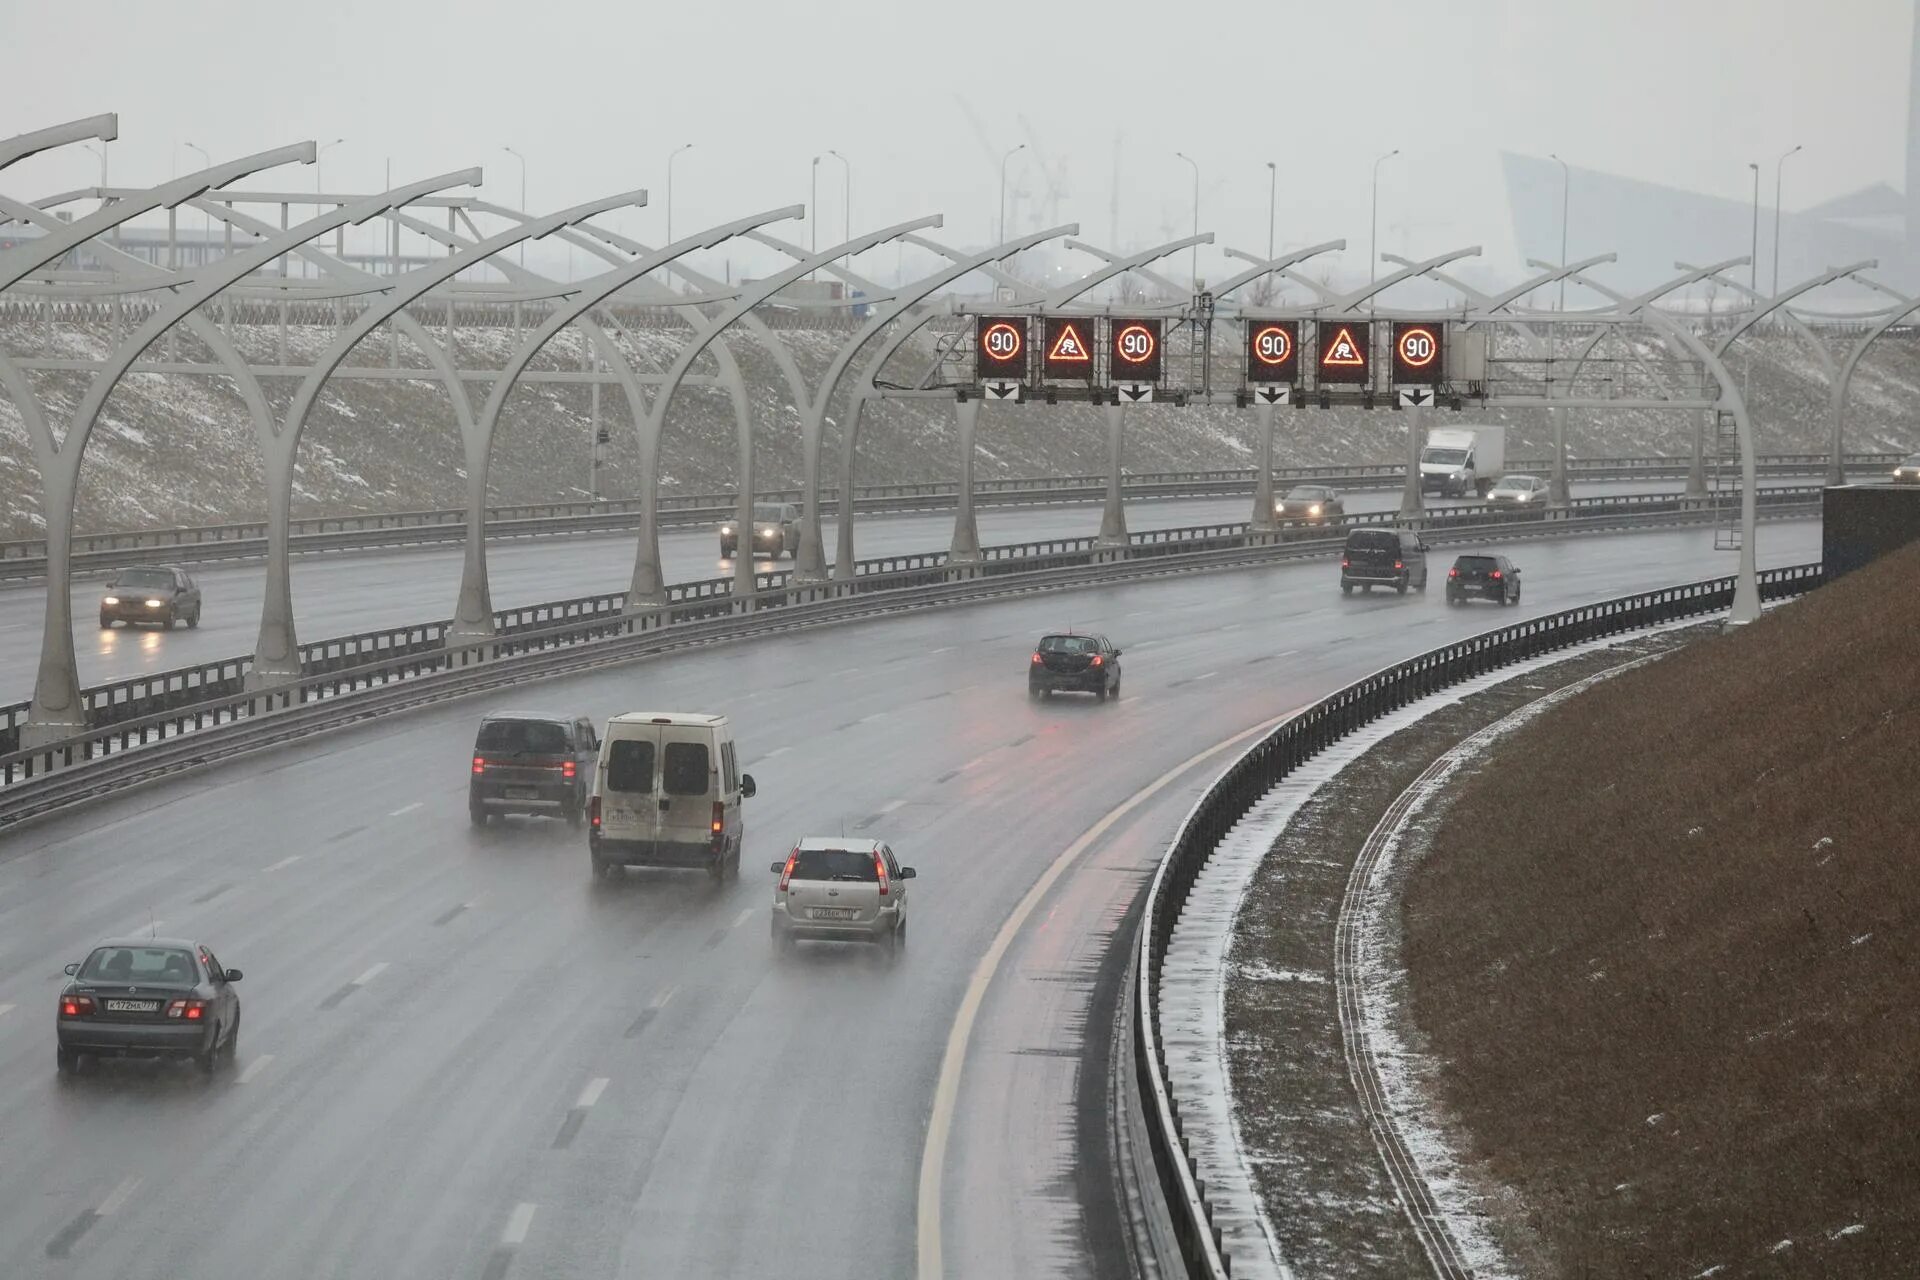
<point>629,802</point>
<point>689,783</point>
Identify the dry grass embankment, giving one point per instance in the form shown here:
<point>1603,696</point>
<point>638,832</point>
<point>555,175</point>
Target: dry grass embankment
<point>1665,945</point>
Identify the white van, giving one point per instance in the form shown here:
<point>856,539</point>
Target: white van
<point>666,793</point>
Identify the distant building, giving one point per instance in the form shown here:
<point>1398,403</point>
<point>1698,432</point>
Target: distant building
<point>1652,227</point>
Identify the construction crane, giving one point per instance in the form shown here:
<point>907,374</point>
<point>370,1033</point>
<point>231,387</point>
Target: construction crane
<point>1016,190</point>
<point>1053,174</point>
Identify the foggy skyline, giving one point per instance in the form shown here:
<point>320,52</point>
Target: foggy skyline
<point>595,95</point>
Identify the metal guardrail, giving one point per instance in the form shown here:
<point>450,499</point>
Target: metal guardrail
<point>1303,736</point>
<point>247,539</point>
<point>163,691</point>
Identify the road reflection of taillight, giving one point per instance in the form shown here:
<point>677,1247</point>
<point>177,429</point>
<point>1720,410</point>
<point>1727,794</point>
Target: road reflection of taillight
<point>76,1006</point>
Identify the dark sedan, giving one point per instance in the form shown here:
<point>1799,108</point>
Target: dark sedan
<point>1076,664</point>
<point>160,594</point>
<point>149,998</point>
<point>1310,503</point>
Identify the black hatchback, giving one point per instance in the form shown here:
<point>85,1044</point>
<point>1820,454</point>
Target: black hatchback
<point>1494,578</point>
<point>1074,663</point>
<point>525,762</point>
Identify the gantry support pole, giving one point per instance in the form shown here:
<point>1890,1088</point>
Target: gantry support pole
<point>57,707</point>
<point>965,548</point>
<point>1113,513</point>
<point>1263,515</point>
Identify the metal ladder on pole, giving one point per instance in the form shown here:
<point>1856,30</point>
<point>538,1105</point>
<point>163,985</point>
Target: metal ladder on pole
<point>1724,482</point>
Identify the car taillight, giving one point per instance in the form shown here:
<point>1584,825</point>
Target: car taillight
<point>1453,573</point>
<point>786,872</point>
<point>76,1006</point>
<point>479,765</point>
<point>1036,657</point>
<point>1098,660</point>
<point>1398,565</point>
<point>191,1010</point>
<point>1345,563</point>
<point>880,869</point>
<point>567,769</point>
<point>719,820</point>
<point>593,812</point>
<point>1495,575</point>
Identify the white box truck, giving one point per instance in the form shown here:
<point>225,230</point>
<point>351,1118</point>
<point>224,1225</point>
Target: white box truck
<point>1462,460</point>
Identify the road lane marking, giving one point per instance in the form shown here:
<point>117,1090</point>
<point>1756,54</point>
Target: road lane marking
<point>946,1095</point>
<point>5,1009</point>
<point>450,913</point>
<point>591,1094</point>
<point>948,776</point>
<point>62,1244</point>
<point>738,920</point>
<point>283,863</point>
<point>254,1068</point>
<point>338,836</point>
<point>1022,740</point>
<point>370,974</point>
<point>714,939</point>
<point>649,1013</point>
<point>518,1223</point>
<point>333,1001</point>
<point>945,648</point>
<point>406,808</point>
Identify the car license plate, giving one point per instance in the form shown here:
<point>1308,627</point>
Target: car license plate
<point>520,793</point>
<point>132,1006</point>
<point>832,913</point>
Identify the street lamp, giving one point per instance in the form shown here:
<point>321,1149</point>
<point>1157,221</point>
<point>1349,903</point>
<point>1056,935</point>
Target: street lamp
<point>1373,233</point>
<point>206,218</point>
<point>1753,255</point>
<point>1777,167</point>
<point>523,196</point>
<point>670,158</point>
<point>1566,187</point>
<point>1002,237</point>
<point>846,195</point>
<point>1193,261</point>
<point>1273,187</point>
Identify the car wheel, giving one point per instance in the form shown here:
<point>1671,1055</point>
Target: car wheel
<point>1115,694</point>
<point>67,1060</point>
<point>168,624</point>
<point>232,1050</point>
<point>1100,694</point>
<point>1423,583</point>
<point>1400,587</point>
<point>783,943</point>
<point>1033,693</point>
<point>478,815</point>
<point>1346,588</point>
<point>193,623</point>
<point>209,1062</point>
<point>575,813</point>
<point>106,623</point>
<point>602,869</point>
<point>890,943</point>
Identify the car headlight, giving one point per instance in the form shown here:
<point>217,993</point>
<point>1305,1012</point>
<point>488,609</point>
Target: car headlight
<point>766,533</point>
<point>110,600</point>
<point>1314,510</point>
<point>726,530</point>
<point>1523,497</point>
<point>153,604</point>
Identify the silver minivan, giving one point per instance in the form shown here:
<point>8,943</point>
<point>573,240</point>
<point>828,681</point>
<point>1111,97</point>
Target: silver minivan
<point>666,793</point>
<point>834,888</point>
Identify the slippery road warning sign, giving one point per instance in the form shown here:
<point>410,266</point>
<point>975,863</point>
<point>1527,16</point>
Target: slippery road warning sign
<point>1068,353</point>
<point>1345,351</point>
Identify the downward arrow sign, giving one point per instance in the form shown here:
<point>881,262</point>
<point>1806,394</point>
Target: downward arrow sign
<point>1136,393</point>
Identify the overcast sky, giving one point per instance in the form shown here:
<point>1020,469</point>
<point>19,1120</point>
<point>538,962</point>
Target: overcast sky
<point>595,93</point>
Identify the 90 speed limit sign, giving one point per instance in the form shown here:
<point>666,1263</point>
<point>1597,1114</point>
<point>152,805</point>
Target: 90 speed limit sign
<point>1000,347</point>
<point>1273,351</point>
<point>1418,351</point>
<point>1134,351</point>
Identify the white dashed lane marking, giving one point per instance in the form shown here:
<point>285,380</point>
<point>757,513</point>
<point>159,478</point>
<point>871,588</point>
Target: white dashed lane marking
<point>519,1222</point>
<point>591,1094</point>
<point>283,863</point>
<point>738,920</point>
<point>406,808</point>
<point>370,974</point>
<point>254,1069</point>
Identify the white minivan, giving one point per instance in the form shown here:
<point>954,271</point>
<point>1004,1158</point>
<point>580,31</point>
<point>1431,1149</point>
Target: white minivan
<point>666,793</point>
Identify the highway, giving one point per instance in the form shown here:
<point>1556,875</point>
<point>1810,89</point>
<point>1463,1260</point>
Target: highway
<point>342,594</point>
<point>462,1058</point>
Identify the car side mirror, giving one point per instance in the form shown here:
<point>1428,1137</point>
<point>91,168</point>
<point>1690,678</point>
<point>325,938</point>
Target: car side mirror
<point>778,867</point>
<point>1116,653</point>
<point>234,975</point>
<point>908,873</point>
<point>73,969</point>
<point>747,789</point>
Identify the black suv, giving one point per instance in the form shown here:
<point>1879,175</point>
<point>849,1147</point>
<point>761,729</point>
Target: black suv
<point>1493,578</point>
<point>1394,558</point>
<point>525,762</point>
<point>150,593</point>
<point>1066,662</point>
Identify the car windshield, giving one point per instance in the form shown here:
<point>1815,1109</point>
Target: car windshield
<point>1373,540</point>
<point>1517,482</point>
<point>536,737</point>
<point>1474,564</point>
<point>1068,644</point>
<point>142,579</point>
<point>155,966</point>
<point>835,864</point>
<point>1450,457</point>
<point>766,511</point>
<point>1306,494</point>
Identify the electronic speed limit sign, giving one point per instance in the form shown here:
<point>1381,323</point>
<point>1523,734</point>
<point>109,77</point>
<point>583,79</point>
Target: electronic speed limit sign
<point>1417,351</point>
<point>1135,351</point>
<point>1273,351</point>
<point>1000,348</point>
